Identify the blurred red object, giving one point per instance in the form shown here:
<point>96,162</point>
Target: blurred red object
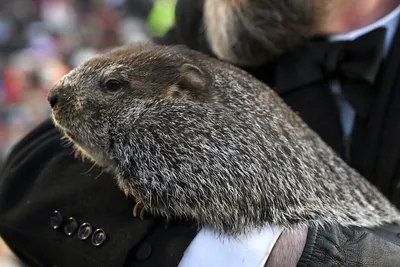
<point>14,82</point>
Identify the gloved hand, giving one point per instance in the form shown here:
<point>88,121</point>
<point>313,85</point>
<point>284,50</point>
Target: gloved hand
<point>352,247</point>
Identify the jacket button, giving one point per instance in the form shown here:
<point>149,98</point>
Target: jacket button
<point>70,226</point>
<point>143,252</point>
<point>84,231</point>
<point>98,237</point>
<point>56,219</point>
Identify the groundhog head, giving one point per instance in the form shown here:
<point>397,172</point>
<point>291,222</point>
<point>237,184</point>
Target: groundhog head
<point>93,101</point>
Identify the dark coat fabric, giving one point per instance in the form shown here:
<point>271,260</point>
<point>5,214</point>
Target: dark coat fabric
<point>41,176</point>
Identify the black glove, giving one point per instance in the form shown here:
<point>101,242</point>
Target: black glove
<point>352,247</point>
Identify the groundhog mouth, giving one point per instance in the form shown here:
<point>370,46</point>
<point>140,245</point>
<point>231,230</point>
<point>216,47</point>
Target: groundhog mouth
<point>65,130</point>
<point>57,121</point>
<point>56,117</point>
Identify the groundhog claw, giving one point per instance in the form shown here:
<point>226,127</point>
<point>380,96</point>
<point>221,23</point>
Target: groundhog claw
<point>139,208</point>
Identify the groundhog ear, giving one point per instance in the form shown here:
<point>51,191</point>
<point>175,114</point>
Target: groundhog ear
<point>193,78</point>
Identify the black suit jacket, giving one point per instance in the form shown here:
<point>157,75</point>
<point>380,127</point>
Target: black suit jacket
<point>41,176</point>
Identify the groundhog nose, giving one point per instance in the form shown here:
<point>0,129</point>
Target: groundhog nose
<point>53,100</point>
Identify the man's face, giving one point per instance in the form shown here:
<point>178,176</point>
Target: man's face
<point>252,32</point>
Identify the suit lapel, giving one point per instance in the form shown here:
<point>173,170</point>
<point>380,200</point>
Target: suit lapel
<point>376,142</point>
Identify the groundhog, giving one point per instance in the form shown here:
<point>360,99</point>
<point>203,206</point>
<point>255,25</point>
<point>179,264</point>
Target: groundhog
<point>196,138</point>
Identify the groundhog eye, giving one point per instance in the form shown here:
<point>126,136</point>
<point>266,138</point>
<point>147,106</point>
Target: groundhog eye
<point>112,86</point>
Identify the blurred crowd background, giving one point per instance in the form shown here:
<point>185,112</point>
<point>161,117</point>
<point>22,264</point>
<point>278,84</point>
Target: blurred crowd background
<point>41,40</point>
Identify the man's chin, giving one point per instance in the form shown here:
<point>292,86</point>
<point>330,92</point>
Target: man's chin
<point>247,58</point>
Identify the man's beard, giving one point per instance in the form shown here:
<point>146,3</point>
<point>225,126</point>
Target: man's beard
<point>253,32</point>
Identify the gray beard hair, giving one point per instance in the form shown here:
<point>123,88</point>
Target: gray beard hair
<point>250,33</point>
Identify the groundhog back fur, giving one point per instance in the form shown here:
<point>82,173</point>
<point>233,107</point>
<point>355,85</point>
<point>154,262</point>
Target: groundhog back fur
<point>196,138</point>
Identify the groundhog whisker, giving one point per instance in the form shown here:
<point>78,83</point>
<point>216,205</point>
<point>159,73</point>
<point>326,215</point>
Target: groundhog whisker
<point>91,168</point>
<point>99,175</point>
<point>66,104</point>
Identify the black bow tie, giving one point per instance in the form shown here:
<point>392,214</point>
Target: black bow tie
<point>355,64</point>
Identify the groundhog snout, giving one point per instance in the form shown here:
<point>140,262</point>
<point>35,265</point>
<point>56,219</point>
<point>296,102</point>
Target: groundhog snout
<point>56,95</point>
<point>53,100</point>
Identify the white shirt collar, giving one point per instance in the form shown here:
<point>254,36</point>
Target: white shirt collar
<point>390,22</point>
<point>209,250</point>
